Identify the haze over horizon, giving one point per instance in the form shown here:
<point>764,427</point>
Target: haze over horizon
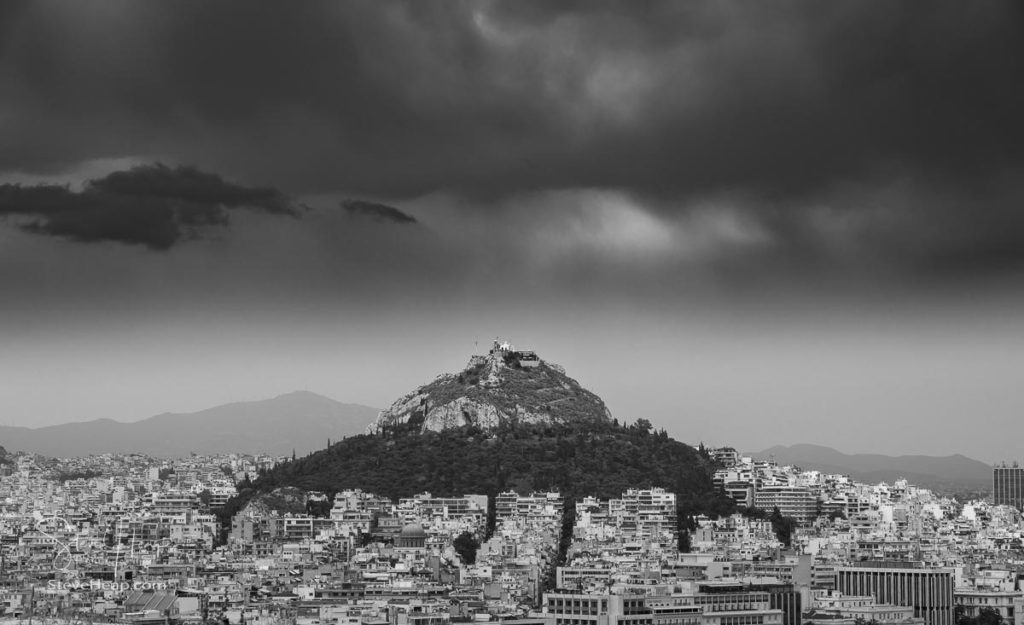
<point>742,450</point>
<point>750,224</point>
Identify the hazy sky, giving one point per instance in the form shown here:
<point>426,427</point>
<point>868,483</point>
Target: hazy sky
<point>750,223</point>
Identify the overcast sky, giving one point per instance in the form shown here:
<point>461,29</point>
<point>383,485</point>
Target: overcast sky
<point>750,223</point>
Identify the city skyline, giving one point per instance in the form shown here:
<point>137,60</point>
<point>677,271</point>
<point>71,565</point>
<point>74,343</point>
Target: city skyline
<point>749,225</point>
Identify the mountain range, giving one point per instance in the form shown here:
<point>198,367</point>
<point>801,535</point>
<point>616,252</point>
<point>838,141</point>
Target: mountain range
<point>941,473</point>
<point>299,421</point>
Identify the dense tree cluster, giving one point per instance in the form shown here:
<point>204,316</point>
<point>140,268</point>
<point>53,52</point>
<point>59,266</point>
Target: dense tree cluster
<point>86,474</point>
<point>466,545</point>
<point>783,526</point>
<point>578,459</point>
<point>986,616</point>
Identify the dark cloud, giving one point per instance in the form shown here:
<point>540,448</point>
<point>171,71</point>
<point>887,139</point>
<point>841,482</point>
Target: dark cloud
<point>921,230</point>
<point>787,105</point>
<point>189,185</point>
<point>484,97</point>
<point>375,211</point>
<point>151,205</point>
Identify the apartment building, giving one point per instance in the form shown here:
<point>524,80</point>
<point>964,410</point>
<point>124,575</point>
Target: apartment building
<point>797,502</point>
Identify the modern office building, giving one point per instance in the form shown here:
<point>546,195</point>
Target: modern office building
<point>928,590</point>
<point>1008,485</point>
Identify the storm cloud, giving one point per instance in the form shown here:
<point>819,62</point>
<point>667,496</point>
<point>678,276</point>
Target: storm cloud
<point>151,205</point>
<point>814,119</point>
<point>379,212</point>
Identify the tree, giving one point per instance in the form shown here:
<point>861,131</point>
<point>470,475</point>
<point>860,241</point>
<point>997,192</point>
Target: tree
<point>784,526</point>
<point>685,542</point>
<point>753,512</point>
<point>492,516</point>
<point>989,616</point>
<point>320,509</point>
<point>986,616</point>
<point>466,545</point>
<point>836,514</point>
<point>960,615</point>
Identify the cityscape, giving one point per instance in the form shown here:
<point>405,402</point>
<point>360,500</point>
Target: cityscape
<point>130,538</point>
<point>511,312</point>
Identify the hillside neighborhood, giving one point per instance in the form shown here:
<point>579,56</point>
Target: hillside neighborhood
<point>133,539</point>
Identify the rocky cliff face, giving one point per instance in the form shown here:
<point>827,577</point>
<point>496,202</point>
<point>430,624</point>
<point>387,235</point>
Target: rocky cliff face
<point>502,387</point>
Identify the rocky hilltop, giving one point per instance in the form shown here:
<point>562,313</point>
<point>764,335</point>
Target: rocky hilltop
<point>505,386</point>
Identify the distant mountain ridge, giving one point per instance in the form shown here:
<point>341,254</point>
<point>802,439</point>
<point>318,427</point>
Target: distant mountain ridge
<point>302,421</point>
<point>940,473</point>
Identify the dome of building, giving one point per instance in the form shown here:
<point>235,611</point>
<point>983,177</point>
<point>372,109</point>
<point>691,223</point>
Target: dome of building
<point>412,536</point>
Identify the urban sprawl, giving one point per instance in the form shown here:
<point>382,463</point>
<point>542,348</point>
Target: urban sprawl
<point>132,539</point>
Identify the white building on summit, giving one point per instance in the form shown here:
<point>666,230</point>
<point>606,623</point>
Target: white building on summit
<point>527,359</point>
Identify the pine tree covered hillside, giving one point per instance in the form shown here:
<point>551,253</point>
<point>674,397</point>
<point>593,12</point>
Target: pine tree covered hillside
<point>577,459</point>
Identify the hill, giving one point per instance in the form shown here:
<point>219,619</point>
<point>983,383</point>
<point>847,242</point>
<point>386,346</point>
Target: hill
<point>947,474</point>
<point>504,386</point>
<point>507,421</point>
<point>302,421</point>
